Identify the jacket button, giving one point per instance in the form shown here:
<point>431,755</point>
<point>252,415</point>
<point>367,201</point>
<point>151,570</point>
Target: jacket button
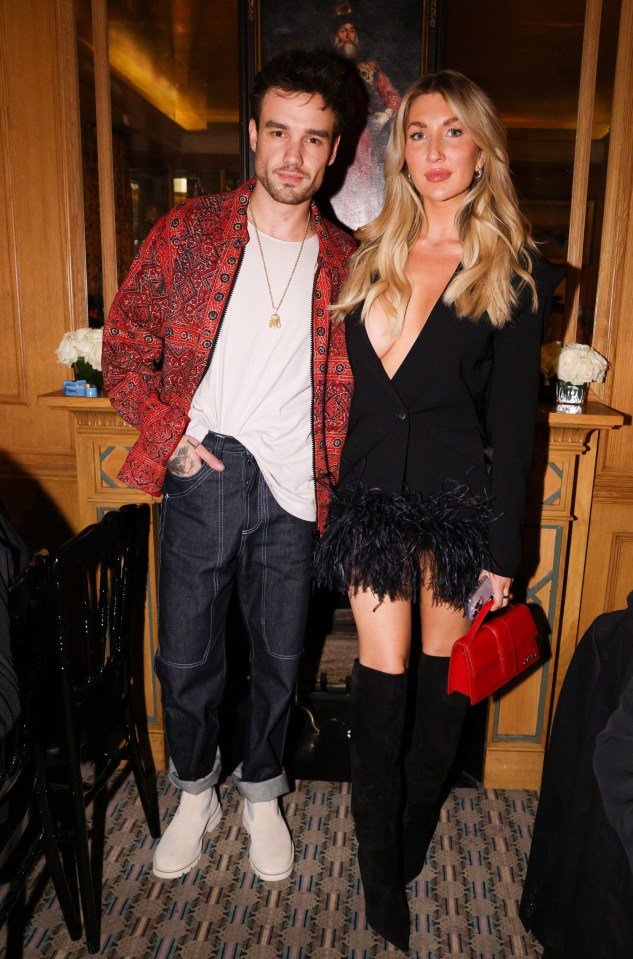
<point>401,416</point>
<point>529,904</point>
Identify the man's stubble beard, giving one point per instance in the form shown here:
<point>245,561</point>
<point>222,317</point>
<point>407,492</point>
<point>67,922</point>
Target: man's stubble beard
<point>292,195</point>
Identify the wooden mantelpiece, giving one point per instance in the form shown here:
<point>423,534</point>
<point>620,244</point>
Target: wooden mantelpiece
<point>556,531</point>
<point>557,522</point>
<point>102,441</point>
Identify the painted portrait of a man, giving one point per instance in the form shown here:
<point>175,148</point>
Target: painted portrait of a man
<point>360,197</point>
<point>383,45</point>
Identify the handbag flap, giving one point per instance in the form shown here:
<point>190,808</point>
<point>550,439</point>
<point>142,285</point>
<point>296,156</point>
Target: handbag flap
<point>481,652</point>
<point>517,632</point>
<point>498,641</point>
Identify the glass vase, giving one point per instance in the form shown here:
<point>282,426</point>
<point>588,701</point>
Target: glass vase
<point>84,371</point>
<point>571,394</point>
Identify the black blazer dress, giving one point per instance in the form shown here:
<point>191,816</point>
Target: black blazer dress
<point>422,434</point>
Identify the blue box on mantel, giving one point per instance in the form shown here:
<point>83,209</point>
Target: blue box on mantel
<point>78,388</point>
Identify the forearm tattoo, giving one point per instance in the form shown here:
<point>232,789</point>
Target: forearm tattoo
<point>183,462</point>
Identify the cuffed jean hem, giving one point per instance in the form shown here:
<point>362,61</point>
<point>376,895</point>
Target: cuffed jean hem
<point>197,786</point>
<point>260,792</point>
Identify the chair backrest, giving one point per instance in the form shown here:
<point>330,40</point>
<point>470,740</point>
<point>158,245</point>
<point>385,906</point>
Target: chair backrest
<point>28,608</point>
<point>93,579</point>
<point>14,557</point>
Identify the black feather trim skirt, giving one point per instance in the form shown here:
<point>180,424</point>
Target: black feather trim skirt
<point>390,543</point>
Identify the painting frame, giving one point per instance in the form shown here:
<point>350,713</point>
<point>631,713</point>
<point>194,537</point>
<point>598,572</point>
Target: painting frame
<point>267,27</point>
<point>229,180</point>
<point>549,221</point>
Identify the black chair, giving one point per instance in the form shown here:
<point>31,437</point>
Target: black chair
<point>579,883</point>
<point>97,598</point>
<point>26,823</point>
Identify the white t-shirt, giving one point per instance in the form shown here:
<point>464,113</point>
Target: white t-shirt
<point>258,387</point>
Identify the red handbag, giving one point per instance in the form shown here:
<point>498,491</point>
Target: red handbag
<point>493,652</point>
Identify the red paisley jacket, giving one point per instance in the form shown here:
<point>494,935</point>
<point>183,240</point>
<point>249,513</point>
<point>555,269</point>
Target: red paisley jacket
<point>159,335</point>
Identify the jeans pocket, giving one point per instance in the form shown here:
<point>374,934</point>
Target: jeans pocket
<point>175,486</point>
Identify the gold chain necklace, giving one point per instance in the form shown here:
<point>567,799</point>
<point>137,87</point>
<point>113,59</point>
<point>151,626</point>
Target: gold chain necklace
<point>275,319</point>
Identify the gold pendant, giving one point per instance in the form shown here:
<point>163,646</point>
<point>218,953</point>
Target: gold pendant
<point>275,321</point>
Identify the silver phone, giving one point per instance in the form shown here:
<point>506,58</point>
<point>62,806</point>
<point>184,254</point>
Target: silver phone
<point>479,596</point>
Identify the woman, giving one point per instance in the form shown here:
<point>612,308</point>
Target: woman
<point>445,303</point>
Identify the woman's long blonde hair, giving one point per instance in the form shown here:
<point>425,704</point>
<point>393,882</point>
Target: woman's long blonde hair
<point>494,234</point>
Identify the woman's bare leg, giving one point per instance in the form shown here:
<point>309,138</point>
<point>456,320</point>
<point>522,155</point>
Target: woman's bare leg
<point>441,625</point>
<point>384,631</point>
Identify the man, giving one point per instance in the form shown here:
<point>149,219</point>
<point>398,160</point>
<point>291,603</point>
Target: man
<point>216,348</point>
<point>360,198</point>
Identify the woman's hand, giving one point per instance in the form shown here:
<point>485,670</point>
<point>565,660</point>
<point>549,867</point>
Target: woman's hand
<point>189,456</point>
<point>500,589</point>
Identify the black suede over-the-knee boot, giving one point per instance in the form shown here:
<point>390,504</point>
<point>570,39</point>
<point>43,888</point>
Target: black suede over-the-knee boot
<point>377,719</point>
<point>439,718</point>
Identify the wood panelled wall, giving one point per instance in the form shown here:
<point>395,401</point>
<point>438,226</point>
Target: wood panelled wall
<point>42,291</point>
<point>42,286</point>
<point>609,569</point>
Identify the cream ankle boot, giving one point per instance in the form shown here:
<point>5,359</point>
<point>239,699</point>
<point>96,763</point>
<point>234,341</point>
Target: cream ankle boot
<point>181,845</point>
<point>271,851</point>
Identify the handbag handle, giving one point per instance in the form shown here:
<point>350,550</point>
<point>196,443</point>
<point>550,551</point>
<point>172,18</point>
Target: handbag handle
<point>481,615</point>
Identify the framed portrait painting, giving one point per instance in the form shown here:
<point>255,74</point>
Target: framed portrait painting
<point>386,46</point>
<point>549,220</point>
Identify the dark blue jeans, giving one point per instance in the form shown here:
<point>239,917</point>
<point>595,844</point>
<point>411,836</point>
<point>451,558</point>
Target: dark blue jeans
<point>219,531</point>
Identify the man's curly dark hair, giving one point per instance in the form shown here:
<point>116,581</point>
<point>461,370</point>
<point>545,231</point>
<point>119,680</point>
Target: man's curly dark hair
<point>304,71</point>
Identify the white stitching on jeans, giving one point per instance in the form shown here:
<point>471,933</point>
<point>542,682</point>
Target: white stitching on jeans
<point>258,479</point>
<point>263,509</point>
<point>220,558</point>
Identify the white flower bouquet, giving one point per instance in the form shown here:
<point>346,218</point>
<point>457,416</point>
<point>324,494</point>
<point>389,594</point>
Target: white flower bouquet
<point>81,349</point>
<point>83,344</point>
<point>575,363</point>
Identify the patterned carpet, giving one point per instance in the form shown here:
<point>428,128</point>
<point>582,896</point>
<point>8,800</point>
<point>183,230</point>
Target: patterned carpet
<point>464,905</point>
